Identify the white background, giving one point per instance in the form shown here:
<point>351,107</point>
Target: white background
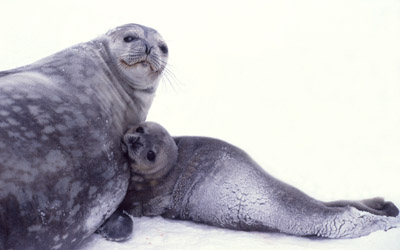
<point>310,89</point>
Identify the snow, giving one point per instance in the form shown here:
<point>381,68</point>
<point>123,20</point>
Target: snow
<point>158,233</point>
<point>310,89</point>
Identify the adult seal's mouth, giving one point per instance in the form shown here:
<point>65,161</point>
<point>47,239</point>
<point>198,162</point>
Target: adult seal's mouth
<point>143,63</point>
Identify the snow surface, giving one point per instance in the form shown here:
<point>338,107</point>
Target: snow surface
<point>310,89</point>
<point>158,233</point>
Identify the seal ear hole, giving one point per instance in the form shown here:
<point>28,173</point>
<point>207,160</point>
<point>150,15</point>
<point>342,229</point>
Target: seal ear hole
<point>140,130</point>
<point>163,48</point>
<point>129,39</point>
<point>151,156</point>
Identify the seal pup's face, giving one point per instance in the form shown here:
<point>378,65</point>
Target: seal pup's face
<point>151,149</point>
<point>140,54</point>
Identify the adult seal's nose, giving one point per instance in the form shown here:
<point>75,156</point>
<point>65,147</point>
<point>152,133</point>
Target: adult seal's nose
<point>148,49</point>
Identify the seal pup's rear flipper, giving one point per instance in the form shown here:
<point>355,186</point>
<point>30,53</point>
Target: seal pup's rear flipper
<point>377,206</point>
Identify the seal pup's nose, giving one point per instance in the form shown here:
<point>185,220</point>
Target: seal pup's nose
<point>131,139</point>
<point>132,144</point>
<point>128,141</point>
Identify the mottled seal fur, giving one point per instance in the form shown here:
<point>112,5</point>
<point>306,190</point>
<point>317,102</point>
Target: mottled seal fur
<point>210,181</point>
<point>62,172</point>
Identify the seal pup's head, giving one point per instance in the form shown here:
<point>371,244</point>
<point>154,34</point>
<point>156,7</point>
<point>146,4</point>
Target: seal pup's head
<point>139,53</point>
<point>151,150</point>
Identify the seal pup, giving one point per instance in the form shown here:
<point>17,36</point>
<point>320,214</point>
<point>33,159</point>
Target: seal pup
<point>210,181</point>
<point>62,172</point>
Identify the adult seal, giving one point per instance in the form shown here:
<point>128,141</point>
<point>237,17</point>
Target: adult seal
<point>62,172</point>
<point>210,181</point>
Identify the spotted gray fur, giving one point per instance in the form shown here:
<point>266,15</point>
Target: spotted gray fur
<point>61,170</point>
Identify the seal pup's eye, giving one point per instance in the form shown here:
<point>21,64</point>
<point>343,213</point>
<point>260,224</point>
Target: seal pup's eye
<point>163,48</point>
<point>129,39</point>
<point>151,156</point>
<point>140,130</point>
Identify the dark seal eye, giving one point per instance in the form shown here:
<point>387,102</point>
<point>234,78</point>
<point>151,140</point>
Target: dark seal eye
<point>129,39</point>
<point>151,156</point>
<point>163,48</point>
<point>140,130</point>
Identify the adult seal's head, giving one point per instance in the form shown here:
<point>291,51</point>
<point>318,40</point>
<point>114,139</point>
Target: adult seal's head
<point>139,54</point>
<point>62,172</point>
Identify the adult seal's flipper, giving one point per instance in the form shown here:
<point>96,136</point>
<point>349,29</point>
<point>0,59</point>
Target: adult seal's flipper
<point>118,227</point>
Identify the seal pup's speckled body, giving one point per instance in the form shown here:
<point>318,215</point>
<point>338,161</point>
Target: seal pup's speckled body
<point>62,172</point>
<point>210,181</point>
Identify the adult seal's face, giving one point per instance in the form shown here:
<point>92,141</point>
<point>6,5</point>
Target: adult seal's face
<point>140,55</point>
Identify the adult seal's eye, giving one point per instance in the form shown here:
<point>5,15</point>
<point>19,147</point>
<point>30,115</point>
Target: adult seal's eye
<point>140,130</point>
<point>129,39</point>
<point>163,48</point>
<point>151,156</point>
